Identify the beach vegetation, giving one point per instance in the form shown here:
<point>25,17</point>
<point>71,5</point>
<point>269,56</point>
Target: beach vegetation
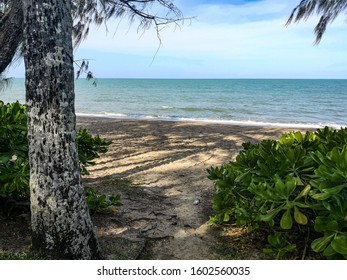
<point>89,148</point>
<point>294,188</point>
<point>101,202</point>
<point>14,162</point>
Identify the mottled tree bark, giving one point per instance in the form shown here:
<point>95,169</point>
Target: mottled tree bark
<point>11,33</point>
<point>61,225</point>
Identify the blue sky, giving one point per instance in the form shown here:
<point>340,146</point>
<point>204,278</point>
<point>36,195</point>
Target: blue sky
<point>226,39</point>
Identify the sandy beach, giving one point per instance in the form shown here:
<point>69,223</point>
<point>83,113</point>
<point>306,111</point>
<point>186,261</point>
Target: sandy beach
<point>159,168</point>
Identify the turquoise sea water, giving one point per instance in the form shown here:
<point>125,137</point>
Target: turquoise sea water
<point>295,103</point>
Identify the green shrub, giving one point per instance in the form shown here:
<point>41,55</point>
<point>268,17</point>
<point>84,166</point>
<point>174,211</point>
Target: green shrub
<point>89,149</point>
<point>100,202</point>
<point>14,163</point>
<point>296,185</point>
<point>14,167</point>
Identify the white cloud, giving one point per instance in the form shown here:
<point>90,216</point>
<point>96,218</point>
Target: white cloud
<point>226,40</point>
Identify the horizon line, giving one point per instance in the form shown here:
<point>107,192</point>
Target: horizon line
<point>201,78</point>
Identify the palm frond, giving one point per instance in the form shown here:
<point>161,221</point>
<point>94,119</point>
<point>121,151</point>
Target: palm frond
<point>328,10</point>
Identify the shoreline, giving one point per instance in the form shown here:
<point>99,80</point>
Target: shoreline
<point>272,103</point>
<point>124,117</point>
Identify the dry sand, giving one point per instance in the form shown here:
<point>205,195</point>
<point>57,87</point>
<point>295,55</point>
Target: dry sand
<point>159,168</point>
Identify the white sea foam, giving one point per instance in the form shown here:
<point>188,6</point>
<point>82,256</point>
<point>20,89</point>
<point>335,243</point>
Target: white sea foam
<point>211,121</point>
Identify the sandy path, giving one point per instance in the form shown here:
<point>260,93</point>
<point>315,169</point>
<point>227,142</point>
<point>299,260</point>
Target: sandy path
<point>167,205</point>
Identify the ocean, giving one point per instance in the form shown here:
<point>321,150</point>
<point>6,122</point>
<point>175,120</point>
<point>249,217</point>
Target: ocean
<point>261,102</point>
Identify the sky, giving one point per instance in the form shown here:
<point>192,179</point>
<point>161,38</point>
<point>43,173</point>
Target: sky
<point>223,39</point>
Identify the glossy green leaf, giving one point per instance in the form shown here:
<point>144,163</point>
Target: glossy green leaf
<point>339,244</point>
<point>286,220</point>
<point>329,251</point>
<point>302,205</point>
<point>322,224</point>
<point>279,185</point>
<point>290,247</point>
<point>304,192</point>
<point>275,240</point>
<point>328,192</point>
<point>299,217</point>
<point>291,155</point>
<point>320,244</point>
<point>4,158</point>
<point>270,215</point>
<point>268,251</point>
<point>291,186</point>
<point>226,218</point>
<point>298,136</point>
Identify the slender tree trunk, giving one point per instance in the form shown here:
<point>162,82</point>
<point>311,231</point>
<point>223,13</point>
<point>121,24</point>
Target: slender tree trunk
<point>61,225</point>
<point>11,33</point>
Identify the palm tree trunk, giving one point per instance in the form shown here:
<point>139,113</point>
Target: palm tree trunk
<point>61,225</point>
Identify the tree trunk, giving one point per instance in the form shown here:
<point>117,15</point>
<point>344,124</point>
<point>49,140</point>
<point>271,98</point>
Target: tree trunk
<point>61,225</point>
<point>11,33</point>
